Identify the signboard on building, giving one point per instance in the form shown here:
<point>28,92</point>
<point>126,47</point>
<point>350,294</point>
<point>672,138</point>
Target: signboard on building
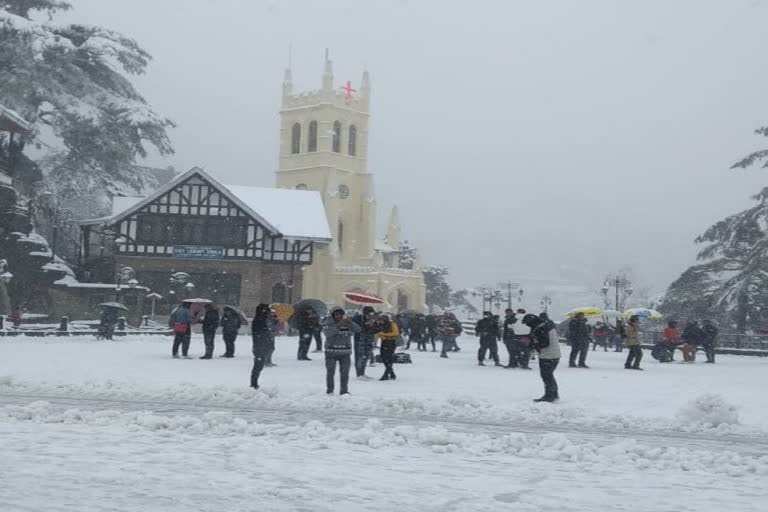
<point>197,251</point>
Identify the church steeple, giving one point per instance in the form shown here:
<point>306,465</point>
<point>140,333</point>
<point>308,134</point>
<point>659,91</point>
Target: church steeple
<point>287,82</point>
<point>365,89</point>
<point>393,228</point>
<point>328,73</point>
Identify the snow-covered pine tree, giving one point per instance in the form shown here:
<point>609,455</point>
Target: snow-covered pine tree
<point>460,299</point>
<point>70,82</point>
<point>408,255</point>
<point>731,282</point>
<point>438,291</point>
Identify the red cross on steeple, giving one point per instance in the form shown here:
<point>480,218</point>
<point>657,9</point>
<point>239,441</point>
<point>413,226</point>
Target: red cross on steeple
<point>348,90</point>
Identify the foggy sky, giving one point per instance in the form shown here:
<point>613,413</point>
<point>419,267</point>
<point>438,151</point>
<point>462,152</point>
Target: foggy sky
<point>548,139</point>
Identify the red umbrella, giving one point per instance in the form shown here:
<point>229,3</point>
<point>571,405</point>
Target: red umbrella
<point>362,297</point>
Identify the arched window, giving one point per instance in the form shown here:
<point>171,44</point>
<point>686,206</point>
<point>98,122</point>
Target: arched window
<point>279,293</point>
<point>296,139</point>
<point>352,143</point>
<point>336,142</point>
<point>312,143</point>
<point>340,237</point>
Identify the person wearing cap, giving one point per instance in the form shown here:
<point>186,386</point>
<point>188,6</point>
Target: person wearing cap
<point>546,343</point>
<point>338,349</point>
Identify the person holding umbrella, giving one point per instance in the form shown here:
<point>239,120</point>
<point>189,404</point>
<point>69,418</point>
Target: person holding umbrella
<point>181,323</point>
<point>109,318</point>
<point>308,323</point>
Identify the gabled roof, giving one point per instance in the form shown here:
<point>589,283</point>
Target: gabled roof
<point>294,214</point>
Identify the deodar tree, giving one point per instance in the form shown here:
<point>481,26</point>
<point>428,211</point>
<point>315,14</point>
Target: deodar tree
<point>70,81</point>
<point>730,284</point>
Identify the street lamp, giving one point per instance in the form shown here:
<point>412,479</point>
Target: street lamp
<point>5,279</point>
<point>622,287</point>
<point>126,274</point>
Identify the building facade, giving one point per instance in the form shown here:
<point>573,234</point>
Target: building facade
<point>197,237</point>
<point>324,148</point>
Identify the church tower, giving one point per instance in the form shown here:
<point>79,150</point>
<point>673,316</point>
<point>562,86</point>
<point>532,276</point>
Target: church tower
<point>324,147</point>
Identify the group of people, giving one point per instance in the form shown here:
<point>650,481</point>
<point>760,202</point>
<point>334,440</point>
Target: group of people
<point>688,342</point>
<point>357,335</point>
<point>182,318</point>
<point>581,334</point>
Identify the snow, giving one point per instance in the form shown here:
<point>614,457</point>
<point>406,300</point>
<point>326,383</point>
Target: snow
<point>297,214</point>
<point>383,246</point>
<point>139,429</point>
<point>71,282</point>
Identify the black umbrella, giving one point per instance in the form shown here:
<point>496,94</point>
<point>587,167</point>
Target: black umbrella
<point>238,311</point>
<point>316,305</point>
<point>115,305</point>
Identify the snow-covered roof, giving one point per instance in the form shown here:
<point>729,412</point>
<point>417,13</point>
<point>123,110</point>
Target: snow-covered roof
<point>383,246</point>
<point>294,214</point>
<point>298,214</point>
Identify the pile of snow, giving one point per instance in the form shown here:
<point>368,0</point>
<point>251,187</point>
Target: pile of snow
<point>375,435</point>
<point>465,409</point>
<point>709,411</point>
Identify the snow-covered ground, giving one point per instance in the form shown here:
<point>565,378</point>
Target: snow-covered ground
<point>88,425</point>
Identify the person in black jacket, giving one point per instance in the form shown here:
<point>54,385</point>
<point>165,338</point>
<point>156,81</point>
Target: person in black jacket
<point>308,324</point>
<point>487,328</point>
<point>578,337</point>
<point>364,340</point>
<point>545,342</point>
<point>210,324</point>
<point>708,339</point>
<point>432,323</point>
<point>508,335</point>
<point>692,337</point>
<point>418,330</point>
<point>230,326</point>
<point>261,333</point>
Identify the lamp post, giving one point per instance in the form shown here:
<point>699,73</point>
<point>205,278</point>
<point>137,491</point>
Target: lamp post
<point>128,275</point>
<point>5,279</point>
<point>622,288</point>
<point>509,286</point>
<point>154,297</point>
